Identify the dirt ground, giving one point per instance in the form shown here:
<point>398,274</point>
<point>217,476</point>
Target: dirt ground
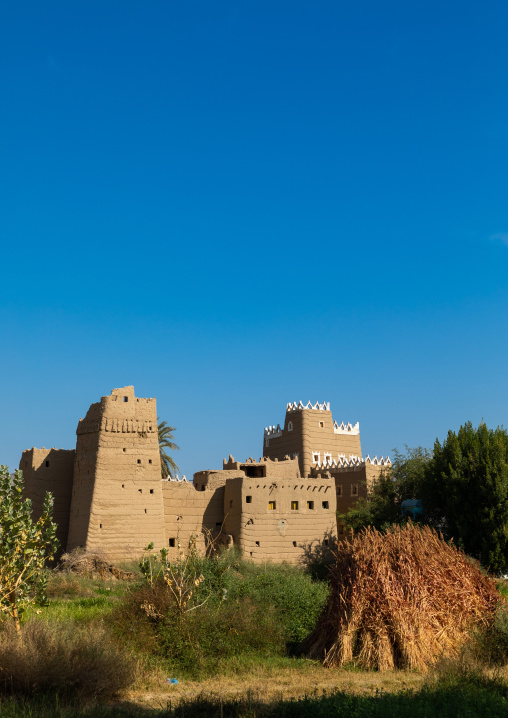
<point>285,683</point>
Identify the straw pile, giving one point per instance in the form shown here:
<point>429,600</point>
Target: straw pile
<point>400,599</point>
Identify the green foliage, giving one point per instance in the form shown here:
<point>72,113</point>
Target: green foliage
<point>168,465</point>
<point>382,507</point>
<point>297,599</point>
<point>238,610</point>
<point>25,545</point>
<point>465,492</point>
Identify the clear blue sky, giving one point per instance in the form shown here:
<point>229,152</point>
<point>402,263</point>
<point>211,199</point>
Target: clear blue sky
<point>232,205</point>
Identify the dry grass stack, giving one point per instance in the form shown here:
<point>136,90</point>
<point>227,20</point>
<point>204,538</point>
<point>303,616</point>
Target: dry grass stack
<point>400,599</point>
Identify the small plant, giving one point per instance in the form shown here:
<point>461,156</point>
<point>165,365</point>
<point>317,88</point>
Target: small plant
<point>181,577</point>
<point>25,545</point>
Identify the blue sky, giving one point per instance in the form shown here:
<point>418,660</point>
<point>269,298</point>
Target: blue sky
<point>232,205</point>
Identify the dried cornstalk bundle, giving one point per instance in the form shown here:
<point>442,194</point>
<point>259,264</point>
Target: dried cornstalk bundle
<point>400,599</point>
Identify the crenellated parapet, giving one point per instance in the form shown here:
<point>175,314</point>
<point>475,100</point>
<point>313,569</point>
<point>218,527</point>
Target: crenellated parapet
<point>342,428</point>
<point>300,406</point>
<point>353,461</point>
<point>272,432</point>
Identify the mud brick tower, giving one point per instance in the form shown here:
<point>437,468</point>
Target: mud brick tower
<point>311,434</point>
<point>117,504</point>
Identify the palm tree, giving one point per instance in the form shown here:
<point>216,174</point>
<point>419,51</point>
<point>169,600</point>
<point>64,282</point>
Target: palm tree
<point>168,465</point>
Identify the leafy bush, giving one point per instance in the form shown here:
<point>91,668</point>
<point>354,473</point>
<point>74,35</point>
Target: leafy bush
<point>297,599</point>
<point>62,659</point>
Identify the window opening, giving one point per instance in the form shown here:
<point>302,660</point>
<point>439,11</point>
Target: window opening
<point>140,491</point>
<point>139,461</point>
<point>321,424</point>
<point>231,504</point>
<point>325,504</point>
<point>339,490</point>
<point>315,458</point>
<point>172,542</point>
<point>149,461</point>
<point>310,504</point>
<point>151,491</point>
<point>294,505</point>
<point>126,398</point>
<point>271,506</point>
<point>294,543</point>
<point>257,544</point>
<point>290,426</point>
<point>248,499</point>
<point>327,542</point>
<point>355,489</point>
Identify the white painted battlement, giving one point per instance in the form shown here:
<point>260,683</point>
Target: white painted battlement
<point>272,432</point>
<point>343,462</point>
<point>342,428</point>
<point>325,406</point>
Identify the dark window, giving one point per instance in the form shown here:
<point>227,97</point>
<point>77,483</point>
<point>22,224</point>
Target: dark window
<point>355,489</point>
<point>126,398</point>
<point>125,449</point>
<point>257,544</point>
<point>203,487</point>
<point>123,486</point>
<point>248,499</point>
<point>322,424</point>
<point>149,461</point>
<point>294,505</point>
<point>139,461</point>
<point>100,525</point>
<point>310,504</point>
<point>327,542</point>
<point>218,525</point>
<point>231,504</point>
<point>325,504</point>
<point>271,506</point>
<point>140,491</point>
<point>254,472</point>
<point>172,542</point>
<point>47,464</point>
<point>294,543</point>
<point>145,511</point>
<point>151,491</point>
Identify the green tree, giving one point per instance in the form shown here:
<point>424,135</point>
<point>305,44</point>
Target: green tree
<point>168,465</point>
<point>465,492</point>
<point>25,546</point>
<point>383,505</point>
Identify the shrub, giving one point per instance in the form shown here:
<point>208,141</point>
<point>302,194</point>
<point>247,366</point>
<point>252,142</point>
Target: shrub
<point>62,659</point>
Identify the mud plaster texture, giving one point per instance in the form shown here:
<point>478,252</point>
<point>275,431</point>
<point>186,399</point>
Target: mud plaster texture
<point>109,495</point>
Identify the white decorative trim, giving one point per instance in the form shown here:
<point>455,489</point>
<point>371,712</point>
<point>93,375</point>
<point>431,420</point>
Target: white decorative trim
<point>273,432</point>
<point>318,460</point>
<point>325,406</point>
<point>352,429</point>
<point>344,462</point>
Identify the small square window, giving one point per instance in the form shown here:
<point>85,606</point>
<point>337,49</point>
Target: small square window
<point>321,424</point>
<point>139,461</point>
<point>151,491</point>
<point>294,544</point>
<point>218,525</point>
<point>149,461</point>
<point>123,486</point>
<point>294,505</point>
<point>124,450</point>
<point>271,506</point>
<point>257,544</point>
<point>248,499</point>
<point>172,542</point>
<point>140,491</point>
<point>315,458</point>
<point>325,504</point>
<point>326,542</point>
<point>126,398</point>
<point>310,504</point>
